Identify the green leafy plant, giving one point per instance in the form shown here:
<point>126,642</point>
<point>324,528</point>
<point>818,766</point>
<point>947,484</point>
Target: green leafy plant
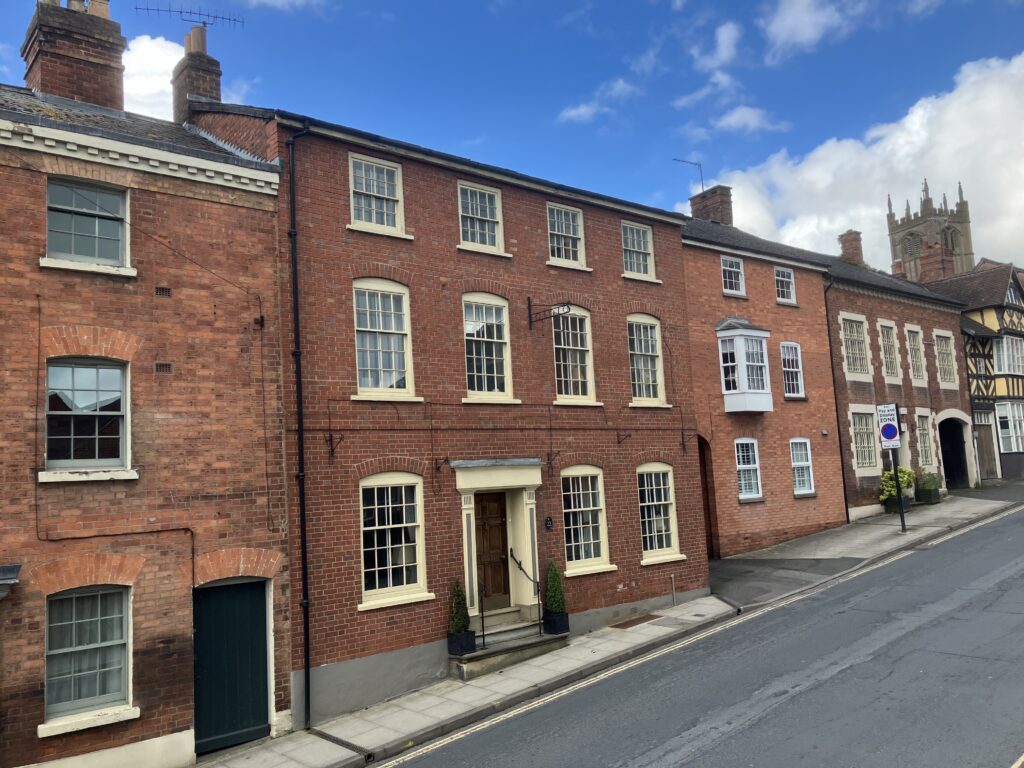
<point>929,481</point>
<point>887,487</point>
<point>554,595</point>
<point>459,620</point>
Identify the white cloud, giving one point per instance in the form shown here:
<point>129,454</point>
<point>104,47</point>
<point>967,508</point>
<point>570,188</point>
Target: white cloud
<point>748,120</point>
<point>609,91</point>
<point>922,7</point>
<point>6,55</point>
<point>841,184</point>
<point>148,63</point>
<point>727,38</point>
<point>677,5</point>
<point>646,62</point>
<point>237,91</point>
<point>719,83</point>
<point>799,25</point>
<point>282,5</point>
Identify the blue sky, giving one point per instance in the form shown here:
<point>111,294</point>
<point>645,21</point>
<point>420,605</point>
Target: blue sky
<point>813,110</point>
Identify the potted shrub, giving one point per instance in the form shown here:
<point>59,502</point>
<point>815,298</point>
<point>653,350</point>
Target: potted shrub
<point>556,620</point>
<point>928,489</point>
<point>887,488</point>
<point>461,639</point>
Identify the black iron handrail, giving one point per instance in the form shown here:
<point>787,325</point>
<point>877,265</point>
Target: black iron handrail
<point>536,587</point>
<point>480,606</point>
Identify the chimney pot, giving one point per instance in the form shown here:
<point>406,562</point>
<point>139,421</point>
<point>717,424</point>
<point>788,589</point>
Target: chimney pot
<point>100,8</point>
<point>713,204</point>
<point>76,5</point>
<point>852,247</point>
<point>197,74</point>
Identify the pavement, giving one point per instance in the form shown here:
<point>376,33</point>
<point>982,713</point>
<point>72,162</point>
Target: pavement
<point>738,584</point>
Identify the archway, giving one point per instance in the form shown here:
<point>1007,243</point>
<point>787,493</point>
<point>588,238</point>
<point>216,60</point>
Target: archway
<point>707,492</point>
<point>954,454</point>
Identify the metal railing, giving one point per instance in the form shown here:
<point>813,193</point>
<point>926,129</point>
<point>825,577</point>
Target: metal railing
<point>536,588</point>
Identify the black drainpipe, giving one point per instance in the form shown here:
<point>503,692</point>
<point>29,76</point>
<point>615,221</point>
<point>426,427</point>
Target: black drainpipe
<point>835,399</point>
<point>300,427</point>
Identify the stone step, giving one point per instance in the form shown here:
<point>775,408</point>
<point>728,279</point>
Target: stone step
<point>499,655</point>
<point>505,632</point>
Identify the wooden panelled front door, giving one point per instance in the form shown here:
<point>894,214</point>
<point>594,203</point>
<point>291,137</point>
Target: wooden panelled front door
<point>492,550</point>
<point>986,451</point>
<point>230,665</point>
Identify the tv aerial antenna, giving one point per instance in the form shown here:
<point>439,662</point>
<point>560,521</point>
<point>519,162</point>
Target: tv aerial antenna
<point>698,166</point>
<point>192,15</point>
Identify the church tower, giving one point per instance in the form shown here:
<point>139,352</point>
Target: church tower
<point>933,243</point>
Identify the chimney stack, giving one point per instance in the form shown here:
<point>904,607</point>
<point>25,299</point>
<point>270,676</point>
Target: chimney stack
<point>713,204</point>
<point>197,74</point>
<point>75,52</point>
<point>852,248</point>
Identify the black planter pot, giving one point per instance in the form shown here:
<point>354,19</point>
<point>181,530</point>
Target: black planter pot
<point>461,643</point>
<point>892,505</point>
<point>928,496</point>
<point>556,623</point>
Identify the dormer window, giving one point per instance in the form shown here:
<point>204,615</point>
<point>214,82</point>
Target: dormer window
<point>1013,295</point>
<point>743,362</point>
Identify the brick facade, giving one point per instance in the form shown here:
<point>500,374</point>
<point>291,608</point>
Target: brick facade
<point>738,526</point>
<point>206,437</point>
<point>862,489</point>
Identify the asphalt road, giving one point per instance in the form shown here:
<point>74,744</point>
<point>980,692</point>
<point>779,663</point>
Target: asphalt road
<point>916,663</point>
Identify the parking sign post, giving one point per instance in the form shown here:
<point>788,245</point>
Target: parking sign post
<point>889,431</point>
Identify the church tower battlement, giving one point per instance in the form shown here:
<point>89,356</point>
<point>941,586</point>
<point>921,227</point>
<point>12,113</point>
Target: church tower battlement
<point>934,242</point>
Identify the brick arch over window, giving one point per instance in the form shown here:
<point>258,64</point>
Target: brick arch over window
<point>84,571</point>
<point>237,561</point>
<point>482,285</point>
<point>577,299</point>
<point>651,456</point>
<point>89,341</point>
<point>391,464</point>
<point>576,458</point>
<point>383,271</point>
<point>634,307</point>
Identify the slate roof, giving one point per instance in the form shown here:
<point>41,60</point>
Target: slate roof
<point>974,328</point>
<point>722,235</point>
<point>984,286</point>
<point>23,105</point>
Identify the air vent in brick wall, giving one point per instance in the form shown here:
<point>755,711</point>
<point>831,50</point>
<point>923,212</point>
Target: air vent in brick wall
<point>163,368</point>
<point>163,291</point>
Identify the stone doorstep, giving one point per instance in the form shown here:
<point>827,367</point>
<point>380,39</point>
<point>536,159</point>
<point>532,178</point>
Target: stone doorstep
<point>503,654</point>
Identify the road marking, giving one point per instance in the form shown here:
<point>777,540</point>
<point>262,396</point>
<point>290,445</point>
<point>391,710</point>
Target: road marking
<point>971,527</point>
<point>679,644</point>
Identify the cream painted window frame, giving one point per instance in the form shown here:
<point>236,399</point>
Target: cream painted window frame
<point>507,397</point>
<point>755,467</point>
<point>591,397</point>
<point>125,268</point>
<point>666,554</point>
<point>915,381</point>
<point>498,249</point>
<point>926,413</point>
<point>942,334</point>
<point>742,292</point>
<point>391,596</point>
<point>898,378</point>
<point>595,564</point>
<point>662,399</point>
<point>802,394</point>
<point>651,275</point>
<point>365,226</point>
<point>792,285</point>
<point>581,263</point>
<point>809,464</point>
<point>853,376</point>
<point>876,470</point>
<point>408,393</point>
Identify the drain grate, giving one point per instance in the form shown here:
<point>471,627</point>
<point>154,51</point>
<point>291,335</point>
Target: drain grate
<point>633,622</point>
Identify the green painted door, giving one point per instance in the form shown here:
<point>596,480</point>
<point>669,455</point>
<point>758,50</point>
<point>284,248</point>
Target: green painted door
<point>230,665</point>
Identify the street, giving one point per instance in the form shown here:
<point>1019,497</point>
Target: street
<point>914,663</point>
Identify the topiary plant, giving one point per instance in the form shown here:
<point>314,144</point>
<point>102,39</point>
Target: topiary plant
<point>554,595</point>
<point>459,620</point>
<point>929,481</point>
<point>887,487</point>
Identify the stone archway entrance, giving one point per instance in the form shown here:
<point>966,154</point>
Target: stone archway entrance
<point>954,453</point>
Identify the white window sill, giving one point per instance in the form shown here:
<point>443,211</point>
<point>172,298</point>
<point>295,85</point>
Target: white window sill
<point>564,264</point>
<point>86,475</point>
<point>866,378</point>
<point>586,570</point>
<point>750,499</point>
<point>582,403</point>
<point>641,278</point>
<point>82,720</point>
<point>734,294</point>
<point>804,494</point>
<point>666,557</point>
<point>786,303</point>
<point>867,472</point>
<point>890,381</point>
<point>392,600</point>
<point>377,231</point>
<point>921,382</point>
<point>948,385</point>
<point>387,397</point>
<point>796,398</point>
<point>649,405</point>
<point>52,262</point>
<point>474,248</point>
<point>491,401</point>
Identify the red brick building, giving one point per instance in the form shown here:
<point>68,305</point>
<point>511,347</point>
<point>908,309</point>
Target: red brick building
<point>897,341</point>
<point>495,375</point>
<point>764,404</point>
<point>140,427</point>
